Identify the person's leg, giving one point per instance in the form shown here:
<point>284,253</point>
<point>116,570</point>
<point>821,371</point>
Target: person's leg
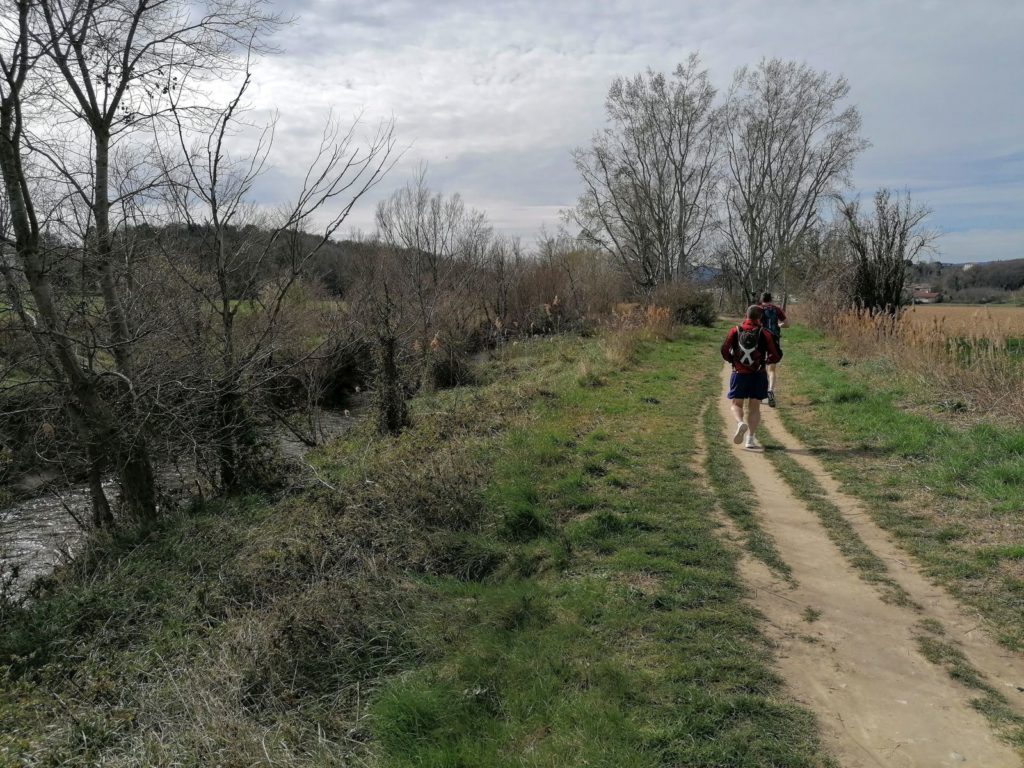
<point>753,415</point>
<point>737,410</point>
<point>771,385</point>
<point>741,425</point>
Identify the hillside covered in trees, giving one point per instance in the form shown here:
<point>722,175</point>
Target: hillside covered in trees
<point>993,281</point>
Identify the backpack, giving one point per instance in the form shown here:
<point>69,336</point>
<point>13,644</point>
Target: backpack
<point>770,320</point>
<point>750,348</point>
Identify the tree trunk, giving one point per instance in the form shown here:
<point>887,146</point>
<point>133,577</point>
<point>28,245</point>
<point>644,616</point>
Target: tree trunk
<point>101,514</point>
<point>136,470</point>
<point>227,414</point>
<point>392,411</point>
<point>88,409</point>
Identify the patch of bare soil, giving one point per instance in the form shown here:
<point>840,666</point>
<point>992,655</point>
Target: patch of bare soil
<point>852,657</point>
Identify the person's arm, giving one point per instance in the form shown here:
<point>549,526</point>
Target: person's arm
<point>727,346</point>
<point>782,317</point>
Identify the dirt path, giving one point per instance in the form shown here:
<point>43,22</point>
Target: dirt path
<point>852,657</point>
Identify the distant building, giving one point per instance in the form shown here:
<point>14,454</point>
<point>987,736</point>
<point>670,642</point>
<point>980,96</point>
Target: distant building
<point>919,296</point>
<point>968,267</point>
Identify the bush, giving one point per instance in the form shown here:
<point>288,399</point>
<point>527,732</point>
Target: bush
<point>688,304</point>
<point>450,364</point>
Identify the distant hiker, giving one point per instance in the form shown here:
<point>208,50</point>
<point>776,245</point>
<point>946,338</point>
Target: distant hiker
<point>749,347</point>
<point>774,320</point>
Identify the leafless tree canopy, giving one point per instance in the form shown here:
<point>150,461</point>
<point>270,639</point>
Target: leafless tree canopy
<point>129,229</point>
<point>649,178</point>
<point>789,145</point>
<point>677,179</point>
<point>883,244</point>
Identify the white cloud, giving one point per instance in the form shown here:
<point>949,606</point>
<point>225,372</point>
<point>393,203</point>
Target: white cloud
<point>494,97</point>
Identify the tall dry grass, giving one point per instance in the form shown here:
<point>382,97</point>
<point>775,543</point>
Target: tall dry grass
<point>970,358</point>
<point>629,326</point>
<point>1005,322</point>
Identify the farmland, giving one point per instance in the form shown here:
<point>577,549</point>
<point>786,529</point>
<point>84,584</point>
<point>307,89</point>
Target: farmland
<point>974,321</point>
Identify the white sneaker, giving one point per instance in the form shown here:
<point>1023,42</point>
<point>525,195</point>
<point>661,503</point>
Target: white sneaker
<point>751,442</point>
<point>741,430</point>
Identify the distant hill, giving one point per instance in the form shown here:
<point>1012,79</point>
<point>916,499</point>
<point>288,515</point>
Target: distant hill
<point>990,281</point>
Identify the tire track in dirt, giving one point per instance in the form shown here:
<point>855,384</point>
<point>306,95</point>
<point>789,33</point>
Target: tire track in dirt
<point>1003,668</point>
<point>852,657</point>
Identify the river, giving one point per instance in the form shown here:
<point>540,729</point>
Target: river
<point>41,532</point>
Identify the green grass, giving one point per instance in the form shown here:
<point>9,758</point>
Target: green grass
<point>938,649</point>
<point>529,576</point>
<point>735,494</point>
<point>950,492</point>
<point>619,637</point>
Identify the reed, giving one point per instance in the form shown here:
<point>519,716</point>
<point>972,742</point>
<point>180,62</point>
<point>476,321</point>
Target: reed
<point>970,358</point>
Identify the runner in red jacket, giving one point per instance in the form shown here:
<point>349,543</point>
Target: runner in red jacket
<point>749,348</point>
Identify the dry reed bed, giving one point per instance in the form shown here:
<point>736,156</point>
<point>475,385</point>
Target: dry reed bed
<point>967,358</point>
<point>989,322</point>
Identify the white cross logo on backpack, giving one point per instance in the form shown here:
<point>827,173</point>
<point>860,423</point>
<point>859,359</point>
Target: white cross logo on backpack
<point>747,353</point>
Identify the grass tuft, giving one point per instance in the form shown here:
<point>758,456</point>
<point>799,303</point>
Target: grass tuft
<point>869,565</point>
<point>736,496</point>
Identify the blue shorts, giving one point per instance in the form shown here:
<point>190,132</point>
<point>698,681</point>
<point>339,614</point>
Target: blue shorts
<point>748,386</point>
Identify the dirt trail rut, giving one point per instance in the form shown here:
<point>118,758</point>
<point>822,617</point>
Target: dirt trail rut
<point>857,665</point>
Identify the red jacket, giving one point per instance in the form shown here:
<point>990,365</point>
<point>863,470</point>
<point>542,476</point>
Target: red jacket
<point>770,353</point>
<point>780,313</point>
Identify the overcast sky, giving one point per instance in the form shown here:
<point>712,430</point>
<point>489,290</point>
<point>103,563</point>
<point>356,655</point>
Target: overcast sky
<point>494,96</point>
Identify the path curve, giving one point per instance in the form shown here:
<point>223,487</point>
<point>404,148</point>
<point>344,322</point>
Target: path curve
<point>880,702</point>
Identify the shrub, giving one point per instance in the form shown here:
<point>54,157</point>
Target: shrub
<point>450,364</point>
<point>688,304</point>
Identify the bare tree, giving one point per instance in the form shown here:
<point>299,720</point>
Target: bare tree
<point>649,178</point>
<point>789,145</point>
<point>245,265</point>
<point>91,414</point>
<point>424,223</point>
<point>384,314</point>
<point>502,270</point>
<point>112,68</point>
<point>437,245</point>
<point>884,244</point>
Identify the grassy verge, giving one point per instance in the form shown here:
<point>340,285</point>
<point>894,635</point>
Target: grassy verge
<point>623,641</point>
<point>529,576</point>
<point>869,565</point>
<point>939,649</point>
<point>948,487</point>
<point>735,495</point>
<point>250,630</point>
